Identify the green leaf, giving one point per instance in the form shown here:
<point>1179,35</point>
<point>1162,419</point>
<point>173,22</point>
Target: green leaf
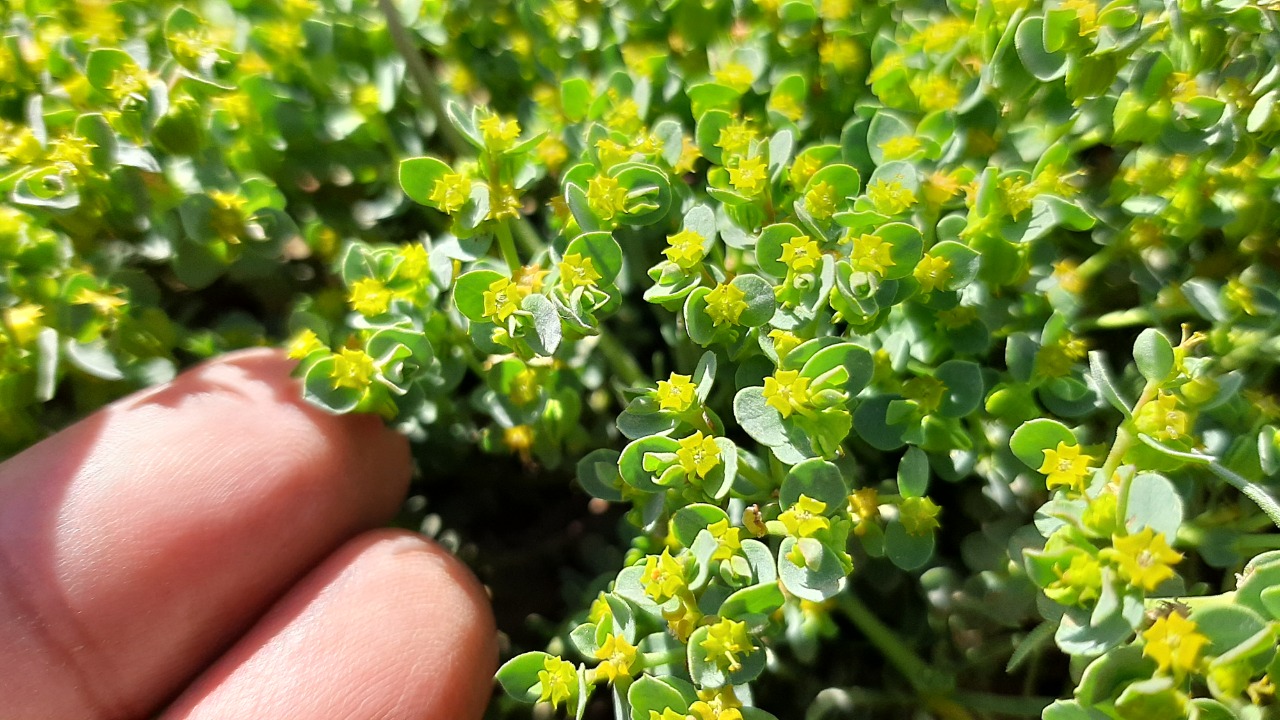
<point>468,293</point>
<point>907,551</point>
<point>815,581</point>
<point>418,177</point>
<point>906,248</point>
<point>648,192</point>
<point>707,134</point>
<point>649,694</point>
<point>1106,387</point>
<point>1041,63</point>
<point>913,473</point>
<point>575,99</point>
<point>1030,440</point>
<point>817,479</point>
<point>704,376</point>
<point>598,474</point>
<point>690,520</point>
<point>1226,626</point>
<point>519,676</point>
<point>1154,355</point>
<point>1153,502</point>
<point>318,389</point>
<point>759,297</point>
<point>761,422</point>
<point>604,252</point>
<point>963,380</point>
<point>769,247</point>
<point>964,263</point>
<point>760,599</point>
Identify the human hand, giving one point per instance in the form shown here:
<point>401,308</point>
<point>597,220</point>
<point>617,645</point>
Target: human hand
<point>204,550</point>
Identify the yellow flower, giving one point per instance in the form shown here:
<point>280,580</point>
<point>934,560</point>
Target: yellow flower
<point>935,92</point>
<point>933,272</point>
<point>784,341</point>
<point>667,714</point>
<point>1240,296</point>
<point>1017,195</point>
<point>803,169</point>
<point>870,254</point>
<point>552,152</point>
<point>228,215</point>
<point>918,515</point>
<point>606,196</point>
<point>369,297</point>
<point>839,52</point>
<point>787,106</point>
<point>718,704</point>
<point>698,454</point>
<point>735,138</point>
<point>502,299</point>
<point>1057,358</point>
<point>559,681</point>
<point>663,576</point>
<point>104,303</point>
<point>727,538</point>
<point>864,506</point>
<point>890,198</point>
<point>728,640</point>
<point>414,262</point>
<point>499,134</point>
<point>676,394</point>
<point>689,154</point>
<point>685,249</point>
<point>577,271</point>
<point>801,254</point>
<point>900,147</point>
<point>616,657</point>
<point>940,187</point>
<point>352,368</point>
<point>1079,583</point>
<point>23,322</point>
<point>786,391</point>
<point>1174,643</point>
<point>450,192</point>
<point>1143,559</point>
<point>735,75</point>
<point>1085,12</point>
<point>611,152</point>
<point>684,618</point>
<point>749,176</point>
<point>725,304</point>
<point>835,10</point>
<point>303,344</point>
<point>805,518</point>
<point>926,391</point>
<point>1163,419</point>
<point>1065,466</point>
<point>821,200</point>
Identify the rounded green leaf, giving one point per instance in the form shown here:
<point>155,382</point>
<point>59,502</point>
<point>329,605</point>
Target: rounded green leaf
<point>418,177</point>
<point>817,479</point>
<point>649,694</point>
<point>710,674</point>
<point>907,551</point>
<point>759,297</point>
<point>468,292</point>
<point>1153,354</point>
<point>519,676</point>
<point>598,474</point>
<point>1153,502</point>
<point>913,473</point>
<point>1034,437</point>
<point>963,380</point>
<point>769,247</point>
<point>1041,63</point>
<point>815,581</point>
<point>690,520</point>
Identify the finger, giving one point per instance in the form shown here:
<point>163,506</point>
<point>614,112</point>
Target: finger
<point>135,545</point>
<point>390,627</point>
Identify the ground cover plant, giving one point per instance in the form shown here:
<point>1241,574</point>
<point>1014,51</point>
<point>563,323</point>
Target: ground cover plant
<point>921,357</point>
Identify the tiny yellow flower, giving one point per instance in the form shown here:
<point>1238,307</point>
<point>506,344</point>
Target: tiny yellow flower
<point>612,152</point>
<point>303,344</point>
<point>499,134</point>
<point>1163,418</point>
<point>864,506</point>
<point>1143,559</point>
<point>801,254</point>
<point>552,152</point>
<point>23,322</point>
<point>369,297</point>
<point>683,618</point>
<point>415,263</point>
<point>676,394</point>
<point>725,304</point>
<point>918,515</point>
<point>716,705</point>
<point>935,92</point>
<point>663,576</point>
<point>1079,583</point>
<point>786,391</point>
<point>805,518</point>
<point>890,198</point>
<point>606,196</point>
<point>727,538</point>
<point>1174,643</point>
<point>900,147</point>
<point>749,176</point>
<point>933,272</point>
<point>803,169</point>
<point>352,368</point>
<point>727,641</point>
<point>1065,466</point>
<point>698,455</point>
<point>926,391</point>
<point>821,200</point>
<point>841,53</point>
<point>559,681</point>
<point>685,249</point>
<point>667,714</point>
<point>784,341</point>
<point>735,75</point>
<point>1017,195</point>
<point>450,192</point>
<point>577,271</point>
<point>502,299</point>
<point>871,254</point>
<point>735,138</point>
<point>104,303</point>
<point>616,657</point>
<point>787,106</point>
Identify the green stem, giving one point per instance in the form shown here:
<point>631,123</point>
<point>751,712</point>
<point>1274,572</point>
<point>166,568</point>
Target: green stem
<point>922,677</point>
<point>1251,490</point>
<point>1124,435</point>
<point>622,362</point>
<point>508,246</point>
<point>661,657</point>
<point>422,77</point>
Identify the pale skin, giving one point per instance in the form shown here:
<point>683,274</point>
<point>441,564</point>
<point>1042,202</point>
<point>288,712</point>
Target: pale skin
<point>207,549</point>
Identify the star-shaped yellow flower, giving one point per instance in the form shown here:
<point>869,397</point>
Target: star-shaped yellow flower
<point>1143,559</point>
<point>1066,466</point>
<point>1174,643</point>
